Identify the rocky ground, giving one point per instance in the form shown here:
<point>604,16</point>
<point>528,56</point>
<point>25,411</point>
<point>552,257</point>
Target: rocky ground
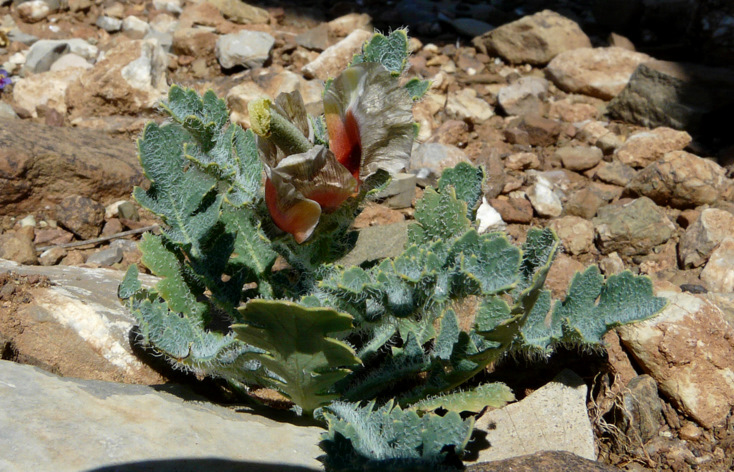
<point>625,156</point>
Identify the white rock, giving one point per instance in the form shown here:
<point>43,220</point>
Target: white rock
<point>246,48</point>
<point>465,105</point>
<point>134,27</point>
<point>702,237</point>
<point>525,95</point>
<point>109,24</point>
<point>34,10</point>
<point>173,6</point>
<point>164,23</point>
<point>70,61</point>
<point>47,88</point>
<point>29,220</point>
<point>552,418</point>
<point>45,52</point>
<point>488,217</point>
<point>545,202</point>
<point>145,71</point>
<point>719,271</point>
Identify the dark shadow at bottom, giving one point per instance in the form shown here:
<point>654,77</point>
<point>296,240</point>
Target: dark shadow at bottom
<point>200,465</point>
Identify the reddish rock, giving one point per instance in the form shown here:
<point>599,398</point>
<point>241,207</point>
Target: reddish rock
<point>540,131</point>
<point>17,247</point>
<point>196,42</point>
<point>80,215</point>
<point>561,272</point>
<point>576,234</point>
<point>579,157</point>
<point>52,237</point>
<point>513,210</point>
<point>584,203</point>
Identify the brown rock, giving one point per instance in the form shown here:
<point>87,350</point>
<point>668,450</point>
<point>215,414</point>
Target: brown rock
<point>571,111</point>
<point>681,180</point>
<point>196,42</point>
<point>579,157</point>
<point>240,12</point>
<point>617,358</point>
<point>80,215</point>
<point>344,25</point>
<point>52,256</point>
<point>335,58</point>
<point>52,237</point>
<point>513,210</point>
<point>39,165</point>
<point>454,132</point>
<point>17,247</point>
<point>541,131</point>
<point>522,161</point>
<point>584,203</point>
<point>598,72</point>
<point>560,274</point>
<point>645,147</point>
<point>615,173</point>
<point>576,234</point>
<point>377,215</point>
<point>700,239</point>
<point>45,91</point>
<point>546,460</point>
<point>316,39</point>
<point>687,349</point>
<point>534,39</point>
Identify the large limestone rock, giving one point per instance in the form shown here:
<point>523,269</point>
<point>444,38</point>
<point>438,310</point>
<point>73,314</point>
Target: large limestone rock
<point>632,228</point>
<point>40,165</point>
<point>68,425</point>
<point>598,72</point>
<point>534,39</point>
<point>645,147</point>
<point>687,349</point>
<point>131,79</point>
<point>47,89</point>
<point>702,237</point>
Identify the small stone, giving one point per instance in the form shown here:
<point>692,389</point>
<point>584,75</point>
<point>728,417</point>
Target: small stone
<point>429,160</point>
<point>345,25</point>
<point>562,271</point>
<point>335,58</point>
<point>172,6</point>
<point>584,203</point>
<point>541,131</point>
<point>80,215</point>
<point>42,54</point>
<point>316,39</point>
<point>241,12</point>
<point>534,39</point>
<point>33,11</point>
<point>645,147</point>
<point>400,192</point>
<point>681,180</point>
<point>690,432</point>
<point>545,202</point>
<point>18,248</point>
<point>488,217</point>
<point>513,210</point>
<point>522,161</point>
<point>609,143</point>
<point>703,236</point>
<point>632,228</point>
<point>619,41</point>
<point>579,158</point>
<point>70,61</point>
<point>46,89</point>
<point>576,234</point>
<point>196,42</point>
<point>105,257</point>
<point>597,72</point>
<point>52,237</point>
<point>641,411</point>
<point>127,210</point>
<point>112,226</point>
<point>29,220</point>
<point>245,48</point>
<point>466,105</point>
<point>611,264</point>
<point>52,256</point>
<point>615,173</point>
<point>135,28</point>
<point>719,270</point>
<point>523,96</point>
<point>687,348</point>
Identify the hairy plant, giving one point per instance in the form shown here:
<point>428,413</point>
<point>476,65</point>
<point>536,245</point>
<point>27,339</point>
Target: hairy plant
<point>330,337</point>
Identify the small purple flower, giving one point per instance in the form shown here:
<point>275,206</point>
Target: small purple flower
<point>4,79</point>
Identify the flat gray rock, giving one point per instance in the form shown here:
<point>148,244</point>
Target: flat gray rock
<point>62,424</point>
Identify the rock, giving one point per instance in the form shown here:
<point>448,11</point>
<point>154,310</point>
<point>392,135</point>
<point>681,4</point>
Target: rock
<point>584,203</point>
<point>598,72</point>
<point>632,228</point>
<point>576,234</point>
<point>488,217</point>
<point>573,110</point>
<point>240,12</point>
<point>336,58</point>
<point>50,423</point>
<point>316,39</point>
<point>611,264</point>
<point>615,173</point>
<point>561,273</point>
<point>17,247</point>
<point>77,314</point>
<point>522,161</point>
<point>375,214</point>
<point>690,432</point>
<point>42,54</point>
<point>377,242</point>
<point>344,25</point>
<point>39,165</point>
<point>523,96</point>
<point>545,202</point>
<point>719,271</point>
<point>109,24</point>
<point>171,6</point>
<point>246,48</point>
<point>33,11</point>
<point>645,147</point>
<point>640,414</point>
<point>680,96</point>
<point>579,158</point>
<point>680,180</point>
<point>544,460</point>
<point>540,131</point>
<point>105,257</point>
<point>70,61</point>
<point>131,78</point>
<point>52,237</point>
<point>429,160</point>
<point>513,210</point>
<point>702,237</point>
<point>80,215</point>
<point>553,418</point>
<point>464,104</point>
<point>534,39</point>
<point>687,349</point>
<point>52,256</point>
<point>619,41</point>
<point>47,89</point>
<point>400,192</point>
<point>197,42</point>
<point>7,112</point>
<point>135,28</point>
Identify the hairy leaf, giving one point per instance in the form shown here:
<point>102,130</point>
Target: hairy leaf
<point>391,51</point>
<point>467,181</point>
<point>494,395</point>
<point>417,88</point>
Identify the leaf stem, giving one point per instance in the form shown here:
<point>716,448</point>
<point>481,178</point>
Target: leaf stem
<point>268,123</point>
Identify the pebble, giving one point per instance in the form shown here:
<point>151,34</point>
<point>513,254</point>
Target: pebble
<point>247,48</point>
<point>544,200</point>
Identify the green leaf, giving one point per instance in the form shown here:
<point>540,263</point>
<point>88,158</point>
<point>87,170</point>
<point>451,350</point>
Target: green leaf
<point>467,181</point>
<point>304,360</point>
<point>391,51</point>
<point>130,284</point>
<point>494,395</point>
<point>389,438</point>
<point>488,260</point>
<point>417,88</point>
<point>440,216</point>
